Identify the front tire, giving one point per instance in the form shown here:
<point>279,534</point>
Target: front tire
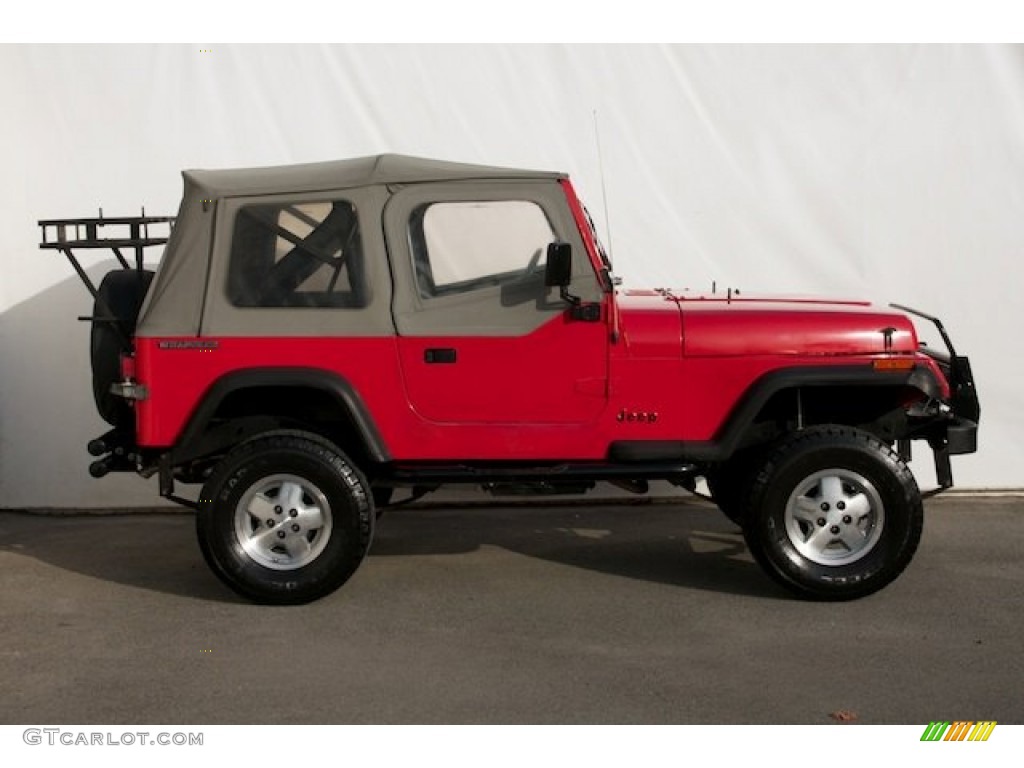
<point>834,514</point>
<point>285,519</point>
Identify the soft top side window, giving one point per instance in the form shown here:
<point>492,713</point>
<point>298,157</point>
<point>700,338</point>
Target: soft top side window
<point>297,254</point>
<point>465,245</point>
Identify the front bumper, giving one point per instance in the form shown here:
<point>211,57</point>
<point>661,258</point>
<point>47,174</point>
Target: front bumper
<point>955,431</point>
<point>961,437</point>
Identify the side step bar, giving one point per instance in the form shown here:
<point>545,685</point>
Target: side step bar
<point>568,474</point>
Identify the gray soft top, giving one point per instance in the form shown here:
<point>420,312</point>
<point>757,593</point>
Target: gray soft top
<point>174,305</point>
<point>340,174</point>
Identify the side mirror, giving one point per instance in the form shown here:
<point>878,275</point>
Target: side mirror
<point>558,270</point>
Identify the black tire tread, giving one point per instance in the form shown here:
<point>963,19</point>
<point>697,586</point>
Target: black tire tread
<point>310,445</point>
<point>826,437</point>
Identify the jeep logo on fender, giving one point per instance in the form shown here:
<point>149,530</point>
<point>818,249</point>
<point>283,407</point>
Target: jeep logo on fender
<point>643,417</point>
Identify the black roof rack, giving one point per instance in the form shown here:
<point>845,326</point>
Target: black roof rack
<point>120,232</point>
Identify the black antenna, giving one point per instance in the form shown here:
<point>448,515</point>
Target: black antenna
<point>604,192</point>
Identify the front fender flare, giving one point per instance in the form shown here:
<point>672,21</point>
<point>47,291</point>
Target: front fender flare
<point>730,435</point>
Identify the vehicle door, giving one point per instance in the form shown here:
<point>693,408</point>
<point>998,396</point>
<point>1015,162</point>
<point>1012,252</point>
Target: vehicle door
<point>481,339</point>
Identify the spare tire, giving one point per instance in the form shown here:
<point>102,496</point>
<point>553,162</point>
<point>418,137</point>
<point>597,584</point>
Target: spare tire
<point>122,291</point>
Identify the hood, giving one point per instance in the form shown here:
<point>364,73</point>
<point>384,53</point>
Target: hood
<point>731,326</point>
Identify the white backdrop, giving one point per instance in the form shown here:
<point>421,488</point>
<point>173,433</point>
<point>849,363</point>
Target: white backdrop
<point>894,173</point>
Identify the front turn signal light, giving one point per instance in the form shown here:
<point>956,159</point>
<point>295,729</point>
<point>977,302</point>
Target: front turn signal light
<point>894,364</point>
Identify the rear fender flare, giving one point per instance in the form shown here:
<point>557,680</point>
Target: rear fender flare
<point>342,391</point>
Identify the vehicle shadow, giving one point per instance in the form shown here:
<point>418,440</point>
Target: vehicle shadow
<point>689,545</point>
<point>680,543</point>
<point>151,551</point>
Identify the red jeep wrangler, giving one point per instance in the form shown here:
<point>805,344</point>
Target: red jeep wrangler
<point>319,335</point>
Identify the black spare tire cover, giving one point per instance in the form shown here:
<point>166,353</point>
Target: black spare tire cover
<point>123,291</point>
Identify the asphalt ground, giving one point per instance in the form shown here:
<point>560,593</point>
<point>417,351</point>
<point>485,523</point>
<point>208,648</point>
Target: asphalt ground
<point>607,613</point>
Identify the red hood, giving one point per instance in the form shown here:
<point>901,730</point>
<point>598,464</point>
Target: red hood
<point>721,326</point>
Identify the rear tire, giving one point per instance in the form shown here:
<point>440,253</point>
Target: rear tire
<point>285,519</point>
<point>834,514</point>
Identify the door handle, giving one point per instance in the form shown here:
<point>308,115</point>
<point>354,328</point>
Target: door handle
<point>439,355</point>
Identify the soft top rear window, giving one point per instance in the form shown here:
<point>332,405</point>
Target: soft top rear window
<point>297,254</point>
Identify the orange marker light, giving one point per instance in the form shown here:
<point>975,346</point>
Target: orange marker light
<point>895,364</point>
